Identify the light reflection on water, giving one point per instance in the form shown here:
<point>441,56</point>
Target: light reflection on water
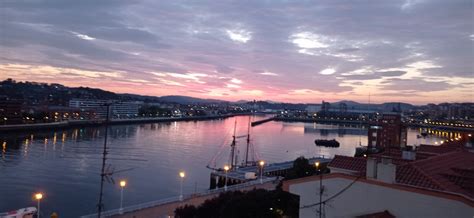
<point>65,164</point>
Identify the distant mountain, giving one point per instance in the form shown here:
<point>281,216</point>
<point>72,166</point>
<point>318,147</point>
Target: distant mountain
<point>187,100</point>
<point>394,105</point>
<point>56,94</point>
<point>34,93</point>
<point>388,106</point>
<point>242,102</point>
<point>348,103</point>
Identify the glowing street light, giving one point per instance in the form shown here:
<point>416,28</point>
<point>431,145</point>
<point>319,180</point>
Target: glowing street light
<point>38,197</point>
<point>122,184</point>
<point>181,175</point>
<point>226,168</point>
<point>261,163</point>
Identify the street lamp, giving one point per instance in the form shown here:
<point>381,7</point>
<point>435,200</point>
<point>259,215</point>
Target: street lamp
<point>181,175</point>
<point>320,188</point>
<point>226,169</point>
<point>122,184</point>
<point>38,197</point>
<point>261,163</point>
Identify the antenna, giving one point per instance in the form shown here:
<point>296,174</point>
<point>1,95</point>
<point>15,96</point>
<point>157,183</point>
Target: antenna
<point>103,173</point>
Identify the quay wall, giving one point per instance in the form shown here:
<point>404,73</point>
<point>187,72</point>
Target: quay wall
<point>82,123</point>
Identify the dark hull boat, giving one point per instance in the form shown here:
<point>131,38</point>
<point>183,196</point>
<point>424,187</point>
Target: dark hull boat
<point>326,143</point>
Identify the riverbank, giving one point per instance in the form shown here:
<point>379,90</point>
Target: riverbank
<point>83,123</point>
<point>319,120</point>
<point>366,123</point>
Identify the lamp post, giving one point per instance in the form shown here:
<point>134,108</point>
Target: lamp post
<point>38,197</point>
<point>261,163</point>
<point>122,184</point>
<point>226,169</point>
<point>320,189</point>
<point>181,175</point>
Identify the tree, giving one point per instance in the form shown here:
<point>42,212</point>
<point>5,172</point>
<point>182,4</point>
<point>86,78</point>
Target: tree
<point>301,168</point>
<point>254,203</point>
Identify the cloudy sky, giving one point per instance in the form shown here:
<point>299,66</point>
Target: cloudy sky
<point>415,51</point>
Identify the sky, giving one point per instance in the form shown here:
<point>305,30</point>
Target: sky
<point>415,51</point>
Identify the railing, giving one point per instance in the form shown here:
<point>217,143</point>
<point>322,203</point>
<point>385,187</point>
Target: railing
<point>142,206</point>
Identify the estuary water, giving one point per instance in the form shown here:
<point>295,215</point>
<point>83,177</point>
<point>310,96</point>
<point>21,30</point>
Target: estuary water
<point>65,165</point>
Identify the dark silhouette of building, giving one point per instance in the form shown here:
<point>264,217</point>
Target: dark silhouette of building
<point>325,106</point>
<point>10,111</point>
<point>388,131</point>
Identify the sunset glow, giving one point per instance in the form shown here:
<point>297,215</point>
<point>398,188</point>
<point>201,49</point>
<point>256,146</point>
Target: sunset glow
<point>295,51</point>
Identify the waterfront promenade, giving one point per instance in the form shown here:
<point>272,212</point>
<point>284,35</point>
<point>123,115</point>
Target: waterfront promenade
<point>166,207</point>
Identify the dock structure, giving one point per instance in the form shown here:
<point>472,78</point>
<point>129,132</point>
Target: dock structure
<point>258,122</point>
<point>237,176</point>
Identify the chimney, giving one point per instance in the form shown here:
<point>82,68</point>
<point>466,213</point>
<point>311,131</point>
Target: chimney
<point>386,171</point>
<point>371,170</point>
<point>408,155</point>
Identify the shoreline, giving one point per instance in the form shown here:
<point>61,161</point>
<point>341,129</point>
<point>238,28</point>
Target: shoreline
<point>365,123</point>
<point>83,123</point>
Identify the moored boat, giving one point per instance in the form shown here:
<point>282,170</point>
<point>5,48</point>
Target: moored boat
<point>327,143</point>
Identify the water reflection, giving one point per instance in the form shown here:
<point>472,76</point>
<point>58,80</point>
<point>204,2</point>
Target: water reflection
<point>66,163</point>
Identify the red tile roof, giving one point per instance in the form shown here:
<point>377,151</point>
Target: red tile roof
<point>395,154</point>
<point>452,171</point>
<point>411,175</point>
<point>438,149</point>
<point>356,164</point>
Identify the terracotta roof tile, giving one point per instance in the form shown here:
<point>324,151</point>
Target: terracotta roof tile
<point>452,171</point>
<point>439,149</point>
<point>357,164</point>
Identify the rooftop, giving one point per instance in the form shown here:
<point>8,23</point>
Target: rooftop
<point>452,172</point>
<point>448,168</point>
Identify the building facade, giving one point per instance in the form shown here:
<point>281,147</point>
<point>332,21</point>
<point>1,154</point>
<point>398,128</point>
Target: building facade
<point>117,109</point>
<point>388,131</point>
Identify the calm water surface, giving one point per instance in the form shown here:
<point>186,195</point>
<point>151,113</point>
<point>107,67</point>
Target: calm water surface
<point>65,164</point>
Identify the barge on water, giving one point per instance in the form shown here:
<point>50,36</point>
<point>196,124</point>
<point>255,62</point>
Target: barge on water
<point>327,143</point>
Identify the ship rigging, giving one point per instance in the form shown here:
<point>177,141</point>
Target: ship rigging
<point>250,154</point>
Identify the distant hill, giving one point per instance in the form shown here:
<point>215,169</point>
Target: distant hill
<point>389,106</point>
<point>56,94</point>
<point>187,100</point>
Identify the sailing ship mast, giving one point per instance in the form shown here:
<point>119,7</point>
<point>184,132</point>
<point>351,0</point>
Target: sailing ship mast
<point>248,144</point>
<point>232,164</point>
